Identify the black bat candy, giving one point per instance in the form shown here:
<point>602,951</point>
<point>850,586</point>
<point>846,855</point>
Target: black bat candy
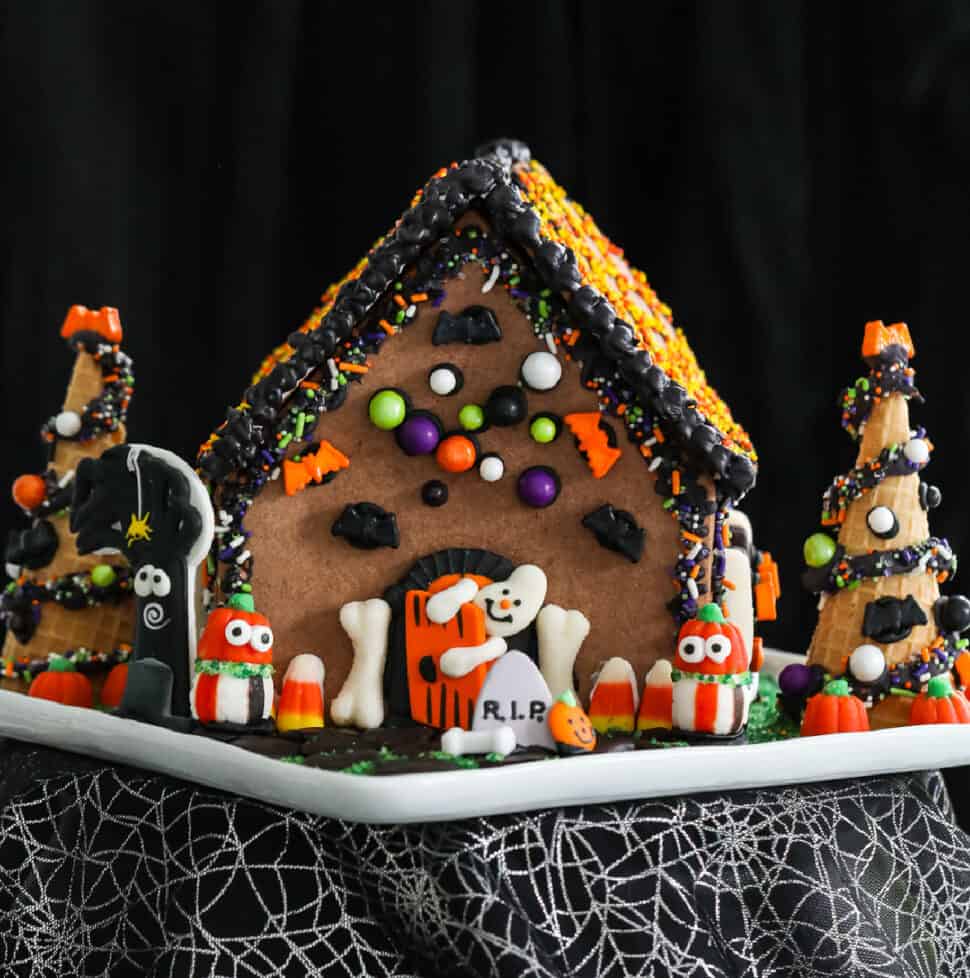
<point>889,619</point>
<point>32,548</point>
<point>367,526</point>
<point>476,325</point>
<point>617,530</point>
<point>952,613</point>
<point>929,496</point>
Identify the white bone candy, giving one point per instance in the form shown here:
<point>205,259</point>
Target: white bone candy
<point>496,740</point>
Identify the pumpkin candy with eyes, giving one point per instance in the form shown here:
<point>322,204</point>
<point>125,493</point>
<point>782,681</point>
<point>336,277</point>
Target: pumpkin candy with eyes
<point>234,666</point>
<point>571,728</point>
<point>712,685</point>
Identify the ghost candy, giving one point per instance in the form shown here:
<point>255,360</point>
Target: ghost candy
<point>656,704</point>
<point>301,696</point>
<point>613,703</point>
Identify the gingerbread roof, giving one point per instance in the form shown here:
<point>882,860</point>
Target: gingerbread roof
<point>605,297</point>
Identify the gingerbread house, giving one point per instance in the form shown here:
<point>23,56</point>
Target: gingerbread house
<point>492,388</point>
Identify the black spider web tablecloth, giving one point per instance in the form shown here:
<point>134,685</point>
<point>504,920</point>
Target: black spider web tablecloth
<point>105,870</point>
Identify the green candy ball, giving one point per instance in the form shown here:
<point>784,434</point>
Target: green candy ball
<point>471,417</point>
<point>103,576</point>
<point>819,549</point>
<point>387,410</point>
<point>543,430</point>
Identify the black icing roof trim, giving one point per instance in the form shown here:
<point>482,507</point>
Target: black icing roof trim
<point>487,183</point>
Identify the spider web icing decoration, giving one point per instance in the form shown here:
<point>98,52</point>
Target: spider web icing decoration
<point>106,870</point>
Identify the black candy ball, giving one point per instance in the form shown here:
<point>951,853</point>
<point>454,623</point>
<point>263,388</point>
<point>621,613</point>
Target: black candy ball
<point>506,406</point>
<point>929,496</point>
<point>953,613</point>
<point>434,493</point>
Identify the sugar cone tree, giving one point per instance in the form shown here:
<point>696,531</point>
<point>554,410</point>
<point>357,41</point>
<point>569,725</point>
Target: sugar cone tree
<point>58,600</point>
<point>878,569</point>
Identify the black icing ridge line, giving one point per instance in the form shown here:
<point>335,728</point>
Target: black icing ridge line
<point>933,555</point>
<point>487,183</point>
<point>107,411</point>
<point>889,374</point>
<point>849,488</point>
<point>22,601</point>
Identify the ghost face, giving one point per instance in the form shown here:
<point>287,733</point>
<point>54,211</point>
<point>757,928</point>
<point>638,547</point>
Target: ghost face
<point>513,604</point>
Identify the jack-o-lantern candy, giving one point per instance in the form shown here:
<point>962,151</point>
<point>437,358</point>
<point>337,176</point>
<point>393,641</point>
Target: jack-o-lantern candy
<point>234,666</point>
<point>834,710</point>
<point>571,728</point>
<point>940,703</point>
<point>710,675</point>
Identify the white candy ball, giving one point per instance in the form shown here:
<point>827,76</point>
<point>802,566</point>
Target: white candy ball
<point>443,381</point>
<point>867,663</point>
<point>491,468</point>
<point>67,424</point>
<point>917,451</point>
<point>541,371</point>
<point>881,520</point>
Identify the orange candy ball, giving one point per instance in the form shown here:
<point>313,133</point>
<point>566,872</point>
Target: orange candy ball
<point>456,454</point>
<point>29,491</point>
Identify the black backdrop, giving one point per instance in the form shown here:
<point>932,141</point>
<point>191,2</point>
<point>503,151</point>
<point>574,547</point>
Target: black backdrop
<point>783,172</point>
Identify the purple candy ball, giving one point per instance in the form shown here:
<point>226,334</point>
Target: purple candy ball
<point>796,679</point>
<point>538,486</point>
<point>419,434</point>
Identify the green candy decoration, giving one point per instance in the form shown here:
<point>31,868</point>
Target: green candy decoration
<point>939,687</point>
<point>836,687</point>
<point>103,575</point>
<point>543,430</point>
<point>819,549</point>
<point>59,663</point>
<point>471,417</point>
<point>387,409</point>
<point>241,601</point>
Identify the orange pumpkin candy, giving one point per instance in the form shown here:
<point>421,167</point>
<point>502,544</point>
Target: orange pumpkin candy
<point>114,686</point>
<point>940,703</point>
<point>834,710</point>
<point>215,642</point>
<point>708,623</point>
<point>571,728</point>
<point>62,683</point>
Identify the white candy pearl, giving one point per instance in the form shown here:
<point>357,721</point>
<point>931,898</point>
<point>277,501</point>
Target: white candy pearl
<point>881,519</point>
<point>867,663</point>
<point>541,371</point>
<point>492,468</point>
<point>443,381</point>
<point>917,451</point>
<point>67,424</point>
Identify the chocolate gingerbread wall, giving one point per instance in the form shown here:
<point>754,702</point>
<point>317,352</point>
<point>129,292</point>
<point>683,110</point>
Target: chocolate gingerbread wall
<point>303,574</point>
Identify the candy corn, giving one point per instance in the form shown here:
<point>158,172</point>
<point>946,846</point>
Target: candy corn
<point>613,704</point>
<point>657,703</point>
<point>301,697</point>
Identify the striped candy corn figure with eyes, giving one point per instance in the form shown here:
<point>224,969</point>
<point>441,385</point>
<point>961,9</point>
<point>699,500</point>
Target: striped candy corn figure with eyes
<point>234,666</point>
<point>711,676</point>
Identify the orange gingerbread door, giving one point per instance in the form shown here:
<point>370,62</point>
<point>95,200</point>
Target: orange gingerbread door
<point>438,700</point>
